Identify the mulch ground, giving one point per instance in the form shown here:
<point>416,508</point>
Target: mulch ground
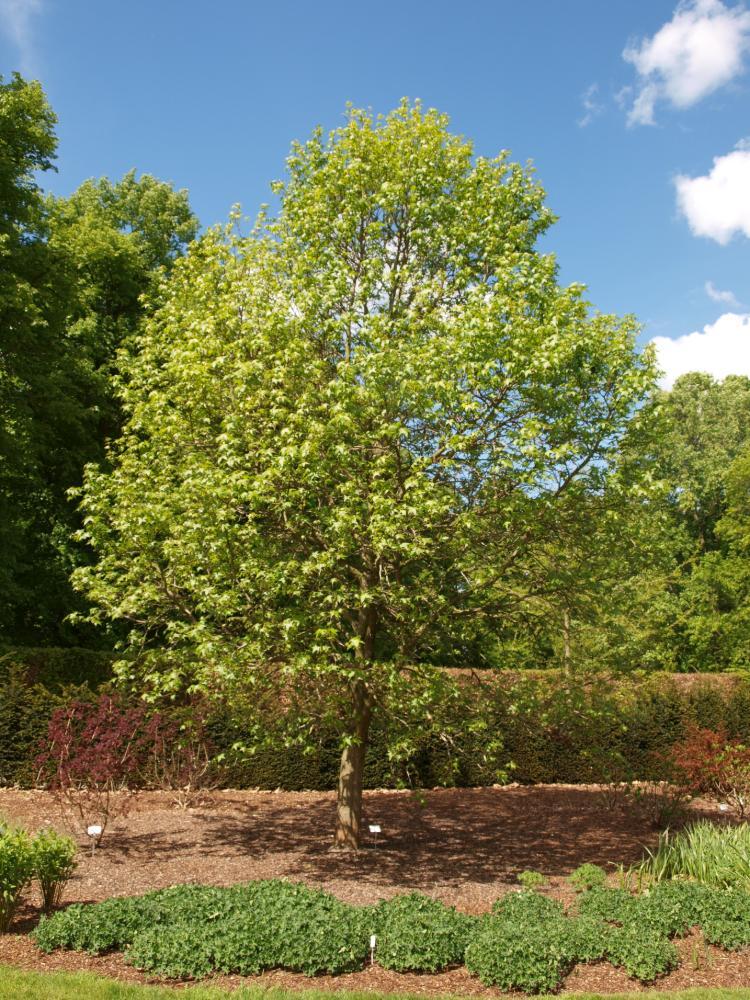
<point>463,846</point>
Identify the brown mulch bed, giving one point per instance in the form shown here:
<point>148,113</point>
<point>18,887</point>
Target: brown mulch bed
<point>464,846</point>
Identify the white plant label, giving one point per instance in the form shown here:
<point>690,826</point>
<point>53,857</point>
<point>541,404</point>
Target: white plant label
<point>374,828</point>
<point>94,831</point>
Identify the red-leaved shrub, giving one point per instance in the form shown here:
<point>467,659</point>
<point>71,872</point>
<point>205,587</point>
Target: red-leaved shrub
<point>712,765</point>
<point>93,757</point>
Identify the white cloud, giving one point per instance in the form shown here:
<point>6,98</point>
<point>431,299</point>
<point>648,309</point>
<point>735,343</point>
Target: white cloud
<point>714,293</point>
<point>592,107</point>
<point>717,205</point>
<point>16,18</point>
<point>721,348</point>
<point>701,49</point>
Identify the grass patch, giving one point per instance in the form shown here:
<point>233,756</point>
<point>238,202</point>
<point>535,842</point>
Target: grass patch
<point>16,984</point>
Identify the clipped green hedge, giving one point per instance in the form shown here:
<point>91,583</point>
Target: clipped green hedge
<point>595,730</point>
<point>54,668</point>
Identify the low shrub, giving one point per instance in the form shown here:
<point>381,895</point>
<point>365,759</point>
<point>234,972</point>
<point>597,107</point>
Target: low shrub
<point>16,871</point>
<point>714,765</point>
<point>515,955</point>
<point>54,864</point>
<point>643,954</point>
<point>93,750</point>
<point>419,934</point>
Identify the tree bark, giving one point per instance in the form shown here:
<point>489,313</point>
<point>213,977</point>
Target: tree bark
<point>566,641</point>
<point>348,834</point>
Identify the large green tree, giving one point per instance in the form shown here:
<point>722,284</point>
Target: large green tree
<point>697,619</point>
<point>72,273</point>
<point>348,433</point>
<point>29,395</point>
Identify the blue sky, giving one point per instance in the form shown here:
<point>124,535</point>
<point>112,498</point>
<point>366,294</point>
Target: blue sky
<point>636,114</point>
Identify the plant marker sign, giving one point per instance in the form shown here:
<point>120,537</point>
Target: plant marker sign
<point>94,832</point>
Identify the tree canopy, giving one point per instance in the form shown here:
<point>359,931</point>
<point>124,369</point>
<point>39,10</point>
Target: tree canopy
<point>349,433</point>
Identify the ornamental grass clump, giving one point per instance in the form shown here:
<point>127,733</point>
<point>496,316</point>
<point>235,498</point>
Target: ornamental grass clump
<point>704,852</point>
<point>418,934</point>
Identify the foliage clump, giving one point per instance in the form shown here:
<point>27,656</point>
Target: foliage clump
<point>16,871</point>
<point>419,934</point>
<point>528,942</point>
<point>194,930</point>
<point>643,954</point>
<point>54,864</point>
<point>520,955</point>
<point>587,877</point>
<point>48,857</point>
<point>532,880</point>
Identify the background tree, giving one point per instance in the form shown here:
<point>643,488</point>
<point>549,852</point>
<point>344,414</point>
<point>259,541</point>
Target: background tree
<point>30,395</point>
<point>348,432</point>
<point>72,271</point>
<point>696,618</point>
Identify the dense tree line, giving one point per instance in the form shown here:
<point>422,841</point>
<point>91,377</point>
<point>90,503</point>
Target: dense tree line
<point>72,275</point>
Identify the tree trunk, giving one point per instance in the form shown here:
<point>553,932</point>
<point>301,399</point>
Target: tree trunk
<point>566,641</point>
<point>349,805</point>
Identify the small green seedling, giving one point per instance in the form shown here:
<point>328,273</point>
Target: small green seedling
<point>531,880</point>
<point>587,877</point>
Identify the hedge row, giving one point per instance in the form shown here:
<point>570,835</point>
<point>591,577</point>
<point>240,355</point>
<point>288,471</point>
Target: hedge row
<point>552,730</point>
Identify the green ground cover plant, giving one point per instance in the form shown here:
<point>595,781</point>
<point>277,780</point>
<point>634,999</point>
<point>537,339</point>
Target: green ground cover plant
<point>189,931</point>
<point>418,934</point>
<point>528,942</point>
